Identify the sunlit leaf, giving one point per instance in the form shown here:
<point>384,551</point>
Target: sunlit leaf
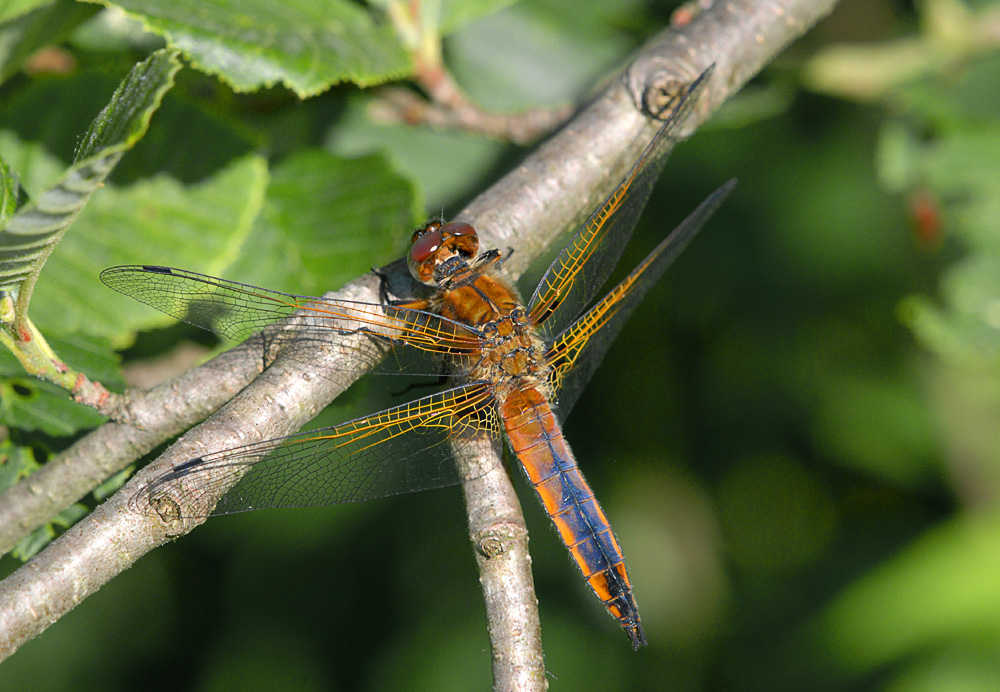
<point>31,234</point>
<point>156,221</point>
<point>325,221</point>
<point>307,45</point>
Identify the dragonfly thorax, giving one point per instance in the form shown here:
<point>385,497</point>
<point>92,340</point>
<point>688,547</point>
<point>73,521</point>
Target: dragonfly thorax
<point>511,355</point>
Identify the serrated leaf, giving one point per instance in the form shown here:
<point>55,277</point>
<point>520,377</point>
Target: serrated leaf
<point>27,25</point>
<point>126,117</point>
<point>201,227</point>
<point>30,235</point>
<point>190,140</point>
<point>326,220</point>
<point>307,45</point>
<point>112,32</point>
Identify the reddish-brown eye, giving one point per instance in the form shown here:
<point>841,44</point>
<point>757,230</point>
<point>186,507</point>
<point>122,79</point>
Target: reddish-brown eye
<point>465,239</point>
<point>422,252</point>
<point>424,246</point>
<point>429,228</point>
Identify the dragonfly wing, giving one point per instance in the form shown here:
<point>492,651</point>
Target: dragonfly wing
<point>577,274</point>
<point>576,352</point>
<point>237,311</point>
<point>401,449</point>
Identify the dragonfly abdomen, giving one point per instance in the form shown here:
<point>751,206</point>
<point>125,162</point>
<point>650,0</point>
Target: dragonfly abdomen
<point>538,443</point>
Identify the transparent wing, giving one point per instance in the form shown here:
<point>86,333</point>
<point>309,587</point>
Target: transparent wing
<point>237,310</point>
<point>584,265</point>
<point>398,450</point>
<point>575,354</point>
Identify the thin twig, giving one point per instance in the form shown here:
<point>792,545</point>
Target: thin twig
<point>396,104</point>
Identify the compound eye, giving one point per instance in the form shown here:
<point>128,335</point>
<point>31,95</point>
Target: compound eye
<point>421,254</point>
<point>464,238</point>
<point>425,246</point>
<point>430,227</point>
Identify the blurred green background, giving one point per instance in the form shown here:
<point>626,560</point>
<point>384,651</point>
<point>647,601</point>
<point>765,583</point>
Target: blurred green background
<point>796,437</point>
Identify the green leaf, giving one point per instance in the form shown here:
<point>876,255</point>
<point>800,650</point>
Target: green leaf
<point>113,34</point>
<point>956,164</point>
<point>36,405</point>
<point>32,544</point>
<point>191,140</point>
<point>202,227</point>
<point>110,486</point>
<point>12,9</point>
<point>966,329</point>
<point>307,45</point>
<point>418,152</point>
<point>35,167</point>
<point>32,404</point>
<point>961,169</point>
<point>126,117</point>
<point>533,54</point>
<point>941,588</point>
<point>457,13</point>
<point>327,220</point>
<point>91,355</point>
<point>319,220</point>
<point>877,424</point>
<point>16,463</point>
<point>9,191</point>
<point>31,234</point>
<point>27,25</point>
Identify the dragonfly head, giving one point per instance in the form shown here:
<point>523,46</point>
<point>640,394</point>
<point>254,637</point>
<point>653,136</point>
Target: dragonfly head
<point>438,243</point>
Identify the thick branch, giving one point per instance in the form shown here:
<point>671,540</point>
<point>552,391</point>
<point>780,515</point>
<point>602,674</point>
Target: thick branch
<point>500,541</point>
<point>161,413</point>
<point>526,210</point>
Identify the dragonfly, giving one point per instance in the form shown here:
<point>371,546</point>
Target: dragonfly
<point>517,369</point>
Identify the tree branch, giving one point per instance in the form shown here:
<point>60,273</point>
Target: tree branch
<point>526,210</point>
<point>154,416</point>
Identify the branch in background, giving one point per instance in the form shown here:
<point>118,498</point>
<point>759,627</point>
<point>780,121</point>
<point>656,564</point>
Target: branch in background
<point>525,210</point>
<point>446,105</point>
<point>396,104</point>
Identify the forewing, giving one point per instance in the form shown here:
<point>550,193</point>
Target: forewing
<point>237,311</point>
<point>398,450</point>
<point>575,354</point>
<point>583,266</point>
